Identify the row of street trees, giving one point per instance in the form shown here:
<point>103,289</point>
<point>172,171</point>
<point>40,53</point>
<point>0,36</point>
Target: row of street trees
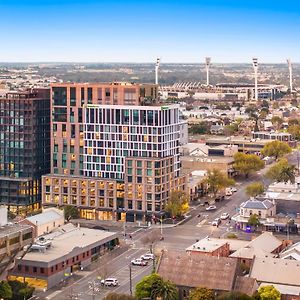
<point>154,287</point>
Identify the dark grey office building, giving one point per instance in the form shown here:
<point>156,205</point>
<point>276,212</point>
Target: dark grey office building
<point>24,148</point>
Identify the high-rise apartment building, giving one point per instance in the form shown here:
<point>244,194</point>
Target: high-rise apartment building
<point>24,148</point>
<point>115,151</point>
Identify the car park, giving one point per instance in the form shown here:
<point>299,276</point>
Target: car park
<point>224,216</point>
<point>216,222</point>
<point>148,256</point>
<point>211,207</point>
<point>110,282</point>
<point>139,262</point>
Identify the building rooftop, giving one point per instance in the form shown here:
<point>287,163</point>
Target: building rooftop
<point>261,246</point>
<point>207,245</point>
<point>234,244</point>
<point>47,216</point>
<point>12,228</point>
<point>198,270</point>
<point>288,196</point>
<point>65,239</point>
<point>276,270</point>
<point>257,204</point>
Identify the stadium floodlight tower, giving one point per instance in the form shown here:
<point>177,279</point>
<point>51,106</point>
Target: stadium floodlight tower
<point>289,62</point>
<point>255,67</point>
<point>156,70</point>
<point>207,66</point>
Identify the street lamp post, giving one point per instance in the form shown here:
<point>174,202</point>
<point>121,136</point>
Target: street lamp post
<point>125,224</point>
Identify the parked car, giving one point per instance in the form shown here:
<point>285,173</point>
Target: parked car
<point>220,198</point>
<point>110,282</point>
<point>216,222</point>
<point>228,192</point>
<point>139,262</point>
<point>211,207</point>
<point>224,216</point>
<point>234,189</point>
<point>148,256</point>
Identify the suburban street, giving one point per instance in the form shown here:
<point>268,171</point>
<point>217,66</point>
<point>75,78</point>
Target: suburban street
<point>176,237</point>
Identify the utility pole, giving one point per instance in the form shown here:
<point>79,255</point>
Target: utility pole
<point>130,279</point>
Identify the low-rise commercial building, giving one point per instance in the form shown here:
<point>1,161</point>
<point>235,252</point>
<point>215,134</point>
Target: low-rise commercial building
<point>262,209</point>
<point>46,221</point>
<point>59,254</point>
<point>13,239</point>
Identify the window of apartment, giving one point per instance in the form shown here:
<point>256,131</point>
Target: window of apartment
<point>139,205</point>
<point>26,269</point>
<point>149,206</point>
<point>139,179</point>
<point>73,96</point>
<point>130,204</point>
<point>59,96</point>
<point>90,95</point>
<point>34,269</point>
<point>42,270</point>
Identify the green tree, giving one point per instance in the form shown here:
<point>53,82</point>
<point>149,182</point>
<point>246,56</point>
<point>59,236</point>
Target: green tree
<point>294,130</point>
<point>116,296</point>
<point>247,163</point>
<point>282,171</point>
<point>269,292</point>
<point>254,189</point>
<point>276,149</point>
<point>144,288</point>
<point>71,212</point>
<point>230,129</point>
<point>201,293</point>
<point>5,290</point>
<point>277,122</point>
<point>153,286</point>
<point>201,128</point>
<point>216,180</point>
<point>253,221</point>
<point>234,296</point>
<point>165,290</point>
<point>293,122</point>
<point>178,203</point>
<point>20,290</point>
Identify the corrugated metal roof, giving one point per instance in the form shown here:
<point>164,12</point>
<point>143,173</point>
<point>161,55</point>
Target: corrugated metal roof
<point>45,217</point>
<point>198,270</point>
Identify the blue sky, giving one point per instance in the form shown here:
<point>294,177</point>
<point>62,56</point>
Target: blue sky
<point>139,31</point>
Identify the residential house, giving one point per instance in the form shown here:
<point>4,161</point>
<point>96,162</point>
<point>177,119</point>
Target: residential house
<point>283,274</point>
<point>265,244</point>
<point>187,271</point>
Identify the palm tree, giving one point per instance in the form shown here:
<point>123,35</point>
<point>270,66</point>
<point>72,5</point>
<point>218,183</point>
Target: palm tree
<point>166,290</point>
<point>288,174</point>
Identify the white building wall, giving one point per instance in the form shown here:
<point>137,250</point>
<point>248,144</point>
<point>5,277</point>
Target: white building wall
<point>3,215</point>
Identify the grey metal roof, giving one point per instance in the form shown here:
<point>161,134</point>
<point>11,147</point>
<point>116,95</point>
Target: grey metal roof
<point>256,204</point>
<point>44,217</point>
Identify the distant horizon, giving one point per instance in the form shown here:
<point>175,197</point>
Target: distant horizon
<point>144,62</point>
